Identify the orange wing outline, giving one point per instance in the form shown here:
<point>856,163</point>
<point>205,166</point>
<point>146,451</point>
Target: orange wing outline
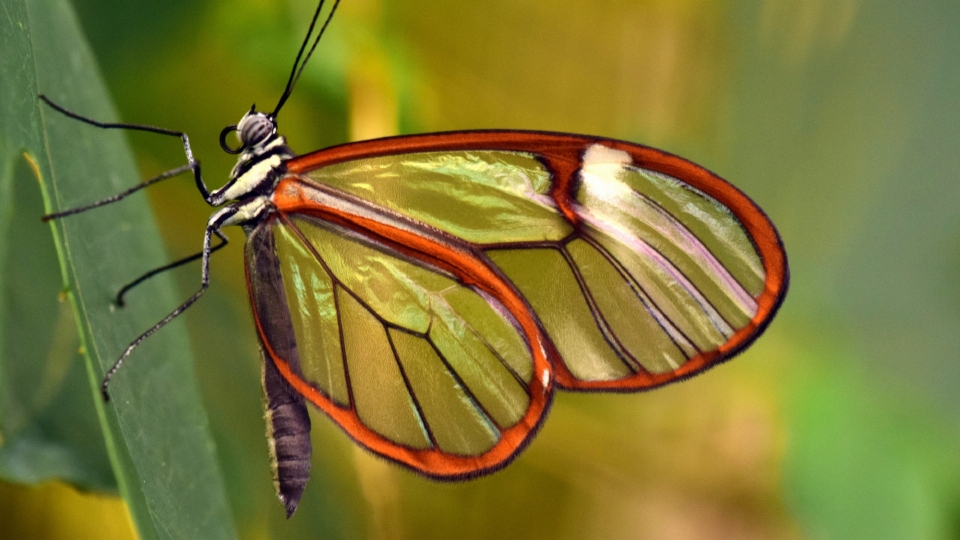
<point>562,155</point>
<point>471,267</point>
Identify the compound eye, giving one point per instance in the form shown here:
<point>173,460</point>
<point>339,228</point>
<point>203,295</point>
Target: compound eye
<point>255,129</point>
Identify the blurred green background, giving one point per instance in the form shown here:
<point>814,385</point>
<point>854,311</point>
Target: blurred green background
<point>841,118</point>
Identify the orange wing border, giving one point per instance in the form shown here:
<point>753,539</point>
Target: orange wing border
<point>562,155</point>
<point>471,267</point>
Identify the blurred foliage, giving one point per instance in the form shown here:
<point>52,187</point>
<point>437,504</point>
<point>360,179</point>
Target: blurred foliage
<point>26,513</point>
<point>839,118</point>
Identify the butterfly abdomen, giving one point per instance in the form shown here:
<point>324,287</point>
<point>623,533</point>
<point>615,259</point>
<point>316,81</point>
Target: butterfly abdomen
<point>288,434</point>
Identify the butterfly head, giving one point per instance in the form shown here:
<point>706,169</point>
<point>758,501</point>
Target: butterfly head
<point>255,130</point>
<point>261,155</point>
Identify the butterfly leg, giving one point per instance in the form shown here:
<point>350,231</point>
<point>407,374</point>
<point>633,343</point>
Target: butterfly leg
<point>119,302</point>
<point>119,196</point>
<point>218,220</point>
<point>192,163</point>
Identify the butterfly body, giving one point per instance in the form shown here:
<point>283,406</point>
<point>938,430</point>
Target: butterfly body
<point>324,229</point>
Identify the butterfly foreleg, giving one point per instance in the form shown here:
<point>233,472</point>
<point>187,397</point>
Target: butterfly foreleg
<point>192,163</point>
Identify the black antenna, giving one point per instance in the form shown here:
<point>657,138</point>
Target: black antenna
<point>297,65</point>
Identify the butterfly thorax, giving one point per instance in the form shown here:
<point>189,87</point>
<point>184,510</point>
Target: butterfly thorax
<point>260,165</point>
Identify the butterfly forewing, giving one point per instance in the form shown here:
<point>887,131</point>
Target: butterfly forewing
<point>640,267</point>
<point>480,196</point>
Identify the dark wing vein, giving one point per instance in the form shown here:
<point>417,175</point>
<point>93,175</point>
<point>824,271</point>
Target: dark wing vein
<point>668,326</point>
<point>343,349</point>
<point>609,336</point>
<point>692,290</point>
<point>686,231</point>
<point>466,389</point>
<point>409,387</point>
<point>500,358</point>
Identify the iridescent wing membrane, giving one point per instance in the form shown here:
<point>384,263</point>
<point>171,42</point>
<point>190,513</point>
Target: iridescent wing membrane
<point>428,292</point>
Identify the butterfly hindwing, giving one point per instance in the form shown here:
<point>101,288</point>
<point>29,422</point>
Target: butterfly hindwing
<point>411,362</point>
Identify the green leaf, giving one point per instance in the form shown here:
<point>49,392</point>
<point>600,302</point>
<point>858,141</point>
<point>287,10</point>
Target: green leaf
<point>47,415</point>
<point>155,428</point>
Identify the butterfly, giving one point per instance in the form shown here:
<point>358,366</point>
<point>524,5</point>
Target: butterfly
<point>430,293</point>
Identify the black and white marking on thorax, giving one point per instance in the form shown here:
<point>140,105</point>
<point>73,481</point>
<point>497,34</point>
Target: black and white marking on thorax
<point>258,169</point>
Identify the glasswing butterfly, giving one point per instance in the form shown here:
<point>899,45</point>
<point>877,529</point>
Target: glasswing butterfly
<point>429,293</point>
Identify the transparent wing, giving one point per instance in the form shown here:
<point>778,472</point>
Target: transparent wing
<point>409,360</point>
<point>641,267</point>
